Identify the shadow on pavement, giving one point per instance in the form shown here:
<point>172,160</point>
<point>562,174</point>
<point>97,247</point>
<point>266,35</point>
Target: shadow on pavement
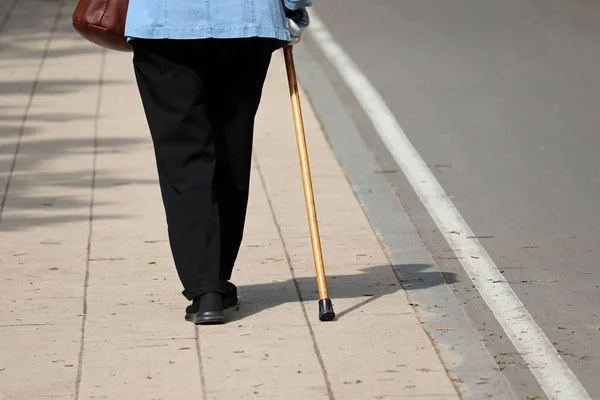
<point>27,183</point>
<point>18,29</point>
<point>369,285</point>
<point>31,160</point>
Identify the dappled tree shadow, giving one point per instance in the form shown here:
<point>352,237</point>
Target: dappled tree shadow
<point>25,154</point>
<point>18,29</point>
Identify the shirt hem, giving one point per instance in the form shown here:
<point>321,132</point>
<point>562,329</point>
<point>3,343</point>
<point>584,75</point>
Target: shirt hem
<point>145,32</point>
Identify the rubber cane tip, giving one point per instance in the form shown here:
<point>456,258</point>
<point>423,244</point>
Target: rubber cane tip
<point>326,312</point>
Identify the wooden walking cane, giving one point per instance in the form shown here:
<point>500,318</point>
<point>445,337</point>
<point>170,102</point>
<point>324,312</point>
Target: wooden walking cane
<point>326,312</point>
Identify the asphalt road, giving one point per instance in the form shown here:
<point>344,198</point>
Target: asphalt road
<point>502,100</point>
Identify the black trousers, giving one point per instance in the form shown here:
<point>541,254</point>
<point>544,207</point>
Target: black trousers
<point>200,98</point>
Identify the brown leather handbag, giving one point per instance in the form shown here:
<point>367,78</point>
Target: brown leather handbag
<point>102,22</point>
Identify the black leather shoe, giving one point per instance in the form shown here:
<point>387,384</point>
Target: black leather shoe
<point>206,309</point>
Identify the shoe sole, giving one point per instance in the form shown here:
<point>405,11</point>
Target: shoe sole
<point>212,317</point>
<point>206,318</point>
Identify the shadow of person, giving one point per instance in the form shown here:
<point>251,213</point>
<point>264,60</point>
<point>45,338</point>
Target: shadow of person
<point>370,284</point>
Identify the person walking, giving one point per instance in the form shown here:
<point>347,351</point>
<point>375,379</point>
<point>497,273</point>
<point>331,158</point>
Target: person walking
<point>200,67</point>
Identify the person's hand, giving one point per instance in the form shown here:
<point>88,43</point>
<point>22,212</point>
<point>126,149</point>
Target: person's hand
<point>298,21</point>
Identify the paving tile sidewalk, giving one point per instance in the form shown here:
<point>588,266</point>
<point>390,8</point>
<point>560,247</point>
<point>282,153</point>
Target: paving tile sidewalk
<point>89,299</point>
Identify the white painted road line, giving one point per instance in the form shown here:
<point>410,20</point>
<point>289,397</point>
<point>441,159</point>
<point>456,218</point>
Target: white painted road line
<point>550,370</point>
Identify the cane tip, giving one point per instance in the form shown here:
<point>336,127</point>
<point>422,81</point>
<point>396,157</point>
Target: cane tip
<point>326,312</point>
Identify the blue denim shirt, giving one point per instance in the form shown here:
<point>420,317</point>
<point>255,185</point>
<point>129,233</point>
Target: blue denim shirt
<point>201,19</point>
